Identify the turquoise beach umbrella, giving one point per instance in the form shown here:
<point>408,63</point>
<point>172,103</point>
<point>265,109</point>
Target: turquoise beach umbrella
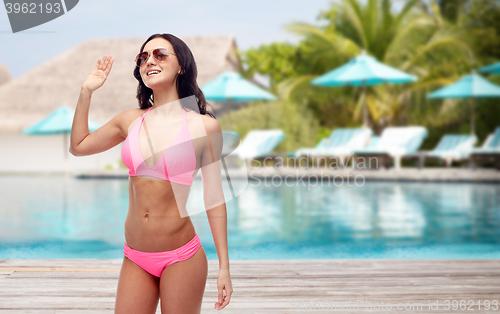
<point>58,121</point>
<point>363,71</point>
<point>469,86</point>
<point>231,86</point>
<point>492,68</point>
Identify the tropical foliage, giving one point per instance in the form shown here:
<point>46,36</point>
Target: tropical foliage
<point>438,41</point>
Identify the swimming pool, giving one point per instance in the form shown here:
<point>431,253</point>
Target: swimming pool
<point>40,217</point>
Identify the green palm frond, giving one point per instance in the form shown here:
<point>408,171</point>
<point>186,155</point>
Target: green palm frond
<point>354,15</point>
<point>287,88</point>
<point>334,42</point>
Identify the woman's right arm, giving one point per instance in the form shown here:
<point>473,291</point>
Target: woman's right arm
<point>84,143</point>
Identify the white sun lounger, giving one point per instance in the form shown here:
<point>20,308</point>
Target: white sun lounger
<point>395,143</point>
<point>490,150</point>
<point>341,143</point>
<point>453,147</point>
<point>259,144</point>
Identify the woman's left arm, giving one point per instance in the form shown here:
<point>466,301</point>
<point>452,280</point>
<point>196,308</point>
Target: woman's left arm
<point>217,218</point>
<point>215,206</point>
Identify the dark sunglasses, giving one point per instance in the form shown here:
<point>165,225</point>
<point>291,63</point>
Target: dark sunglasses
<point>160,54</point>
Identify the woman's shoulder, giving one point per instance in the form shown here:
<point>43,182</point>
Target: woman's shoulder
<point>211,124</point>
<point>127,117</point>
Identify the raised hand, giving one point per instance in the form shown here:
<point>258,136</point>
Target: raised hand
<point>99,74</point>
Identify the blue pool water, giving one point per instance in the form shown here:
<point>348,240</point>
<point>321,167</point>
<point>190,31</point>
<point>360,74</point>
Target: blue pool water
<point>44,217</point>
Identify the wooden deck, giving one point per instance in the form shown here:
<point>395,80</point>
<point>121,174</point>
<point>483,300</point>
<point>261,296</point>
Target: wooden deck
<point>273,286</point>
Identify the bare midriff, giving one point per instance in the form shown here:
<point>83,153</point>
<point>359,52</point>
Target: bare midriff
<point>153,222</point>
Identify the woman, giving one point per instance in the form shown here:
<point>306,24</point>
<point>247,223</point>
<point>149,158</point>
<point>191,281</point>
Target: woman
<point>165,146</point>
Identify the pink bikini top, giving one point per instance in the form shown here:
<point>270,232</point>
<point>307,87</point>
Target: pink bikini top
<point>177,163</point>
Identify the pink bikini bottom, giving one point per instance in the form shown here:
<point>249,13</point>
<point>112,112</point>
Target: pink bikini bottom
<point>155,262</point>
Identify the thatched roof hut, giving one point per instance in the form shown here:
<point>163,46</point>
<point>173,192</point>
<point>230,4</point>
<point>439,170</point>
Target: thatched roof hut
<point>4,74</point>
<point>33,95</point>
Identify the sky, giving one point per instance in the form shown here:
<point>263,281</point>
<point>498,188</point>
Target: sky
<point>251,22</point>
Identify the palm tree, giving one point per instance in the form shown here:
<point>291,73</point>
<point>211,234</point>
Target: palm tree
<point>410,39</point>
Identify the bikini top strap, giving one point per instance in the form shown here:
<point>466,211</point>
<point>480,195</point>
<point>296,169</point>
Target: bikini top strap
<point>145,113</point>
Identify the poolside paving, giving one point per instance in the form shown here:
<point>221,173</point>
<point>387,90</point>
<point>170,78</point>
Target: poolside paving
<point>391,174</point>
<point>430,174</point>
<point>268,286</point>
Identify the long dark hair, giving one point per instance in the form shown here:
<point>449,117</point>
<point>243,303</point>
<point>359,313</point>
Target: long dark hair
<point>185,83</point>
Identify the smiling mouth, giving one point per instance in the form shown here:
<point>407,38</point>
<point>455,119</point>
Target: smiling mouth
<point>153,73</point>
